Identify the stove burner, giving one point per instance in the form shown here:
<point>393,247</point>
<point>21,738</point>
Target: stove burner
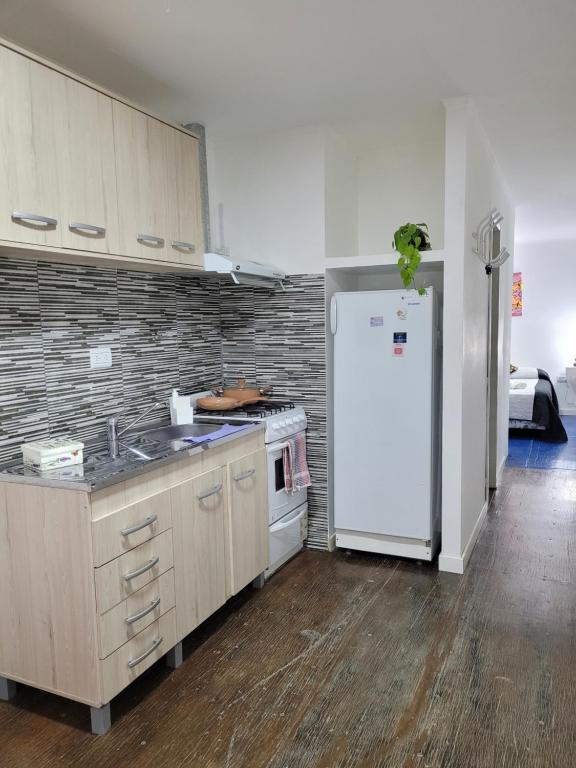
<point>255,410</point>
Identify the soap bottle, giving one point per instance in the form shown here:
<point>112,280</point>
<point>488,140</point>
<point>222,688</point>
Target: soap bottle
<point>181,410</point>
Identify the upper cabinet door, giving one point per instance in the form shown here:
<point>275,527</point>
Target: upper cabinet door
<point>32,124</point>
<point>142,147</point>
<point>186,235</point>
<point>88,189</point>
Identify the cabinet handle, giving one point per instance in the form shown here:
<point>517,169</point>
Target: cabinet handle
<point>144,612</point>
<point>138,527</point>
<point>244,475</point>
<point>157,242</point>
<point>138,659</point>
<point>87,229</point>
<point>143,568</point>
<point>35,218</point>
<point>209,492</point>
<point>179,245</point>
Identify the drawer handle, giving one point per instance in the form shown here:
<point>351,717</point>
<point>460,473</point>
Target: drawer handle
<point>143,568</point>
<point>157,242</point>
<point>35,218</point>
<point>179,245</point>
<point>244,475</point>
<point>138,527</point>
<point>209,492</point>
<point>144,612</point>
<point>87,229</point>
<point>138,659</point>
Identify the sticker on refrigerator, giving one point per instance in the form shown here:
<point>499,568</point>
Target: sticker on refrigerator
<point>377,321</point>
<point>399,341</point>
<point>401,314</point>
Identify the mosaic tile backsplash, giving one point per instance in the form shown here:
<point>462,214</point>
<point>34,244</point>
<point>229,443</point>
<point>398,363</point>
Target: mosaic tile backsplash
<point>280,340</point>
<point>164,331</point>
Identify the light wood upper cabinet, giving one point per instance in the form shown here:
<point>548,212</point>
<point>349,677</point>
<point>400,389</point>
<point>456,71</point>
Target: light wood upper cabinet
<point>85,172</point>
<point>145,196</point>
<point>89,204</point>
<point>185,219</point>
<point>248,541</point>
<point>158,189</point>
<point>199,509</point>
<point>32,124</point>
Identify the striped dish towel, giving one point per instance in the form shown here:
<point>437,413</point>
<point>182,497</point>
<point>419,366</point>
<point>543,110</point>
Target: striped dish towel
<point>296,473</point>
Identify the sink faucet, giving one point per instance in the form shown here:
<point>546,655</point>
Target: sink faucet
<point>114,434</point>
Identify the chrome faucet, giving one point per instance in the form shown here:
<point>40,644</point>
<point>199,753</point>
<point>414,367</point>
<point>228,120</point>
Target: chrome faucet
<point>114,434</point>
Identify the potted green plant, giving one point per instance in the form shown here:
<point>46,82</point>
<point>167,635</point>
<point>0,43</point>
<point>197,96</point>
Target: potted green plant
<point>409,240</point>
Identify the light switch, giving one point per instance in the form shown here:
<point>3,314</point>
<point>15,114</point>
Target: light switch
<point>100,357</point>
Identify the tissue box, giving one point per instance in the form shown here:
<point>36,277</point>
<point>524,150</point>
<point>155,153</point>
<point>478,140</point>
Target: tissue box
<point>53,453</point>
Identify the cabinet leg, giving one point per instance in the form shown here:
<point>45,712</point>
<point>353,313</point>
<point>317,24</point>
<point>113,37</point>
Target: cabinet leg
<point>174,657</point>
<point>101,719</point>
<point>7,689</point>
<point>259,581</point>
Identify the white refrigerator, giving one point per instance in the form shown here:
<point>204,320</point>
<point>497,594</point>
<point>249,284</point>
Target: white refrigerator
<point>386,438</point>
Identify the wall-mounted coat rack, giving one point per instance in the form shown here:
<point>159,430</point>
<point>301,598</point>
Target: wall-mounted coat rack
<point>483,237</point>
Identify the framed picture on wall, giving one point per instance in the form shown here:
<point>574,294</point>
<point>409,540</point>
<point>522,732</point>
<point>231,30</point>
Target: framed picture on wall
<point>517,294</point>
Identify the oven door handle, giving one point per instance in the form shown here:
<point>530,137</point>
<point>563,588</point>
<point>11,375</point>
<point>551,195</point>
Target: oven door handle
<point>281,526</point>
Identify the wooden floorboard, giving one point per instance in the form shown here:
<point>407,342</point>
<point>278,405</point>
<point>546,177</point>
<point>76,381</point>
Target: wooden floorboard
<point>350,659</point>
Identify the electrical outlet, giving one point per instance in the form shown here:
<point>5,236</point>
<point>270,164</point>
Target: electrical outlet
<point>100,357</point>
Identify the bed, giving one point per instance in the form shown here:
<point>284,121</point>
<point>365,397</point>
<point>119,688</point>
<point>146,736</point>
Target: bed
<point>534,408</point>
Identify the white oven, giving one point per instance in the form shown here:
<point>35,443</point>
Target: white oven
<point>280,500</point>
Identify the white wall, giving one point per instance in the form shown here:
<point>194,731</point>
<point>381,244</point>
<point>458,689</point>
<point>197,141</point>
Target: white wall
<point>473,186</point>
<point>402,180</point>
<point>545,335</point>
<point>270,192</point>
<point>341,196</point>
<point>297,197</point>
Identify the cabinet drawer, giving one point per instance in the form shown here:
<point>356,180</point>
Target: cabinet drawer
<point>123,622</point>
<point>134,657</point>
<point>128,573</point>
<point>129,527</point>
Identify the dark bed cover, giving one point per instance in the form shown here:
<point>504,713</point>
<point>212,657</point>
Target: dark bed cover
<point>546,413</point>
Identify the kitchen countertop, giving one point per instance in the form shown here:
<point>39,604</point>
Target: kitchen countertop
<point>100,471</point>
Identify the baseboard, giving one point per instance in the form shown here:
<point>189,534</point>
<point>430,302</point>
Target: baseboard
<point>332,543</point>
<point>458,563</point>
<point>500,471</point>
<point>451,564</point>
<point>568,411</point>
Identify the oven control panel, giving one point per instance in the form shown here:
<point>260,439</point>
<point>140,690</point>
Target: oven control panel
<point>283,425</point>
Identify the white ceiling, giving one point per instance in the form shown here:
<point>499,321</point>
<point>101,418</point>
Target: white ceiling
<point>255,65</point>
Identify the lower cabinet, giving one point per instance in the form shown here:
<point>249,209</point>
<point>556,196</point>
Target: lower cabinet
<point>95,589</point>
<point>248,525</point>
<point>199,509</point>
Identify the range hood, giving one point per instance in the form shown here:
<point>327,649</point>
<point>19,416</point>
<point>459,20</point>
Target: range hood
<point>244,272</point>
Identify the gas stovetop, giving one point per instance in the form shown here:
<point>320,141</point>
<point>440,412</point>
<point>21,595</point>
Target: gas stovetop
<point>281,416</point>
<point>255,411</point>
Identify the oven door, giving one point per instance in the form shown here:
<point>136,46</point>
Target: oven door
<point>280,501</point>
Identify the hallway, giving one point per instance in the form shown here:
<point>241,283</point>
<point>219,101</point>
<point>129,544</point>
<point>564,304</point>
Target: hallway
<point>357,660</point>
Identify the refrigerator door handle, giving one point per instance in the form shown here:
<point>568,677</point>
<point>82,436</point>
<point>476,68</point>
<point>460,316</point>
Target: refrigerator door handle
<point>333,315</point>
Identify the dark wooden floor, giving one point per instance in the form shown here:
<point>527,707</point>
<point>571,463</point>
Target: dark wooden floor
<point>354,660</point>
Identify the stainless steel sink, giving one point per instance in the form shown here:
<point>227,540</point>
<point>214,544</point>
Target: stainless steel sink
<point>179,432</point>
